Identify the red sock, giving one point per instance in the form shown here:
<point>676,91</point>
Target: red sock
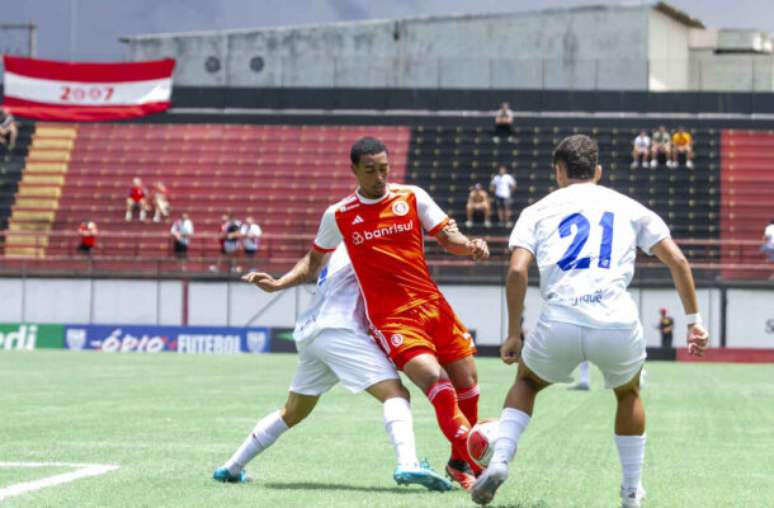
<point>467,399</point>
<point>452,422</point>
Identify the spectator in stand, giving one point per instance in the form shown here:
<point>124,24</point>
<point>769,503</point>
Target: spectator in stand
<point>641,150</point>
<point>182,230</point>
<point>229,242</point>
<point>160,202</point>
<point>136,200</point>
<point>87,232</point>
<point>8,131</point>
<point>251,237</point>
<point>768,240</point>
<point>478,205</point>
<point>503,185</point>
<point>682,143</point>
<point>666,326</point>
<point>503,123</point>
<point>662,147</point>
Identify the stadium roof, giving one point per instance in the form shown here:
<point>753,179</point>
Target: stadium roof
<point>662,7</point>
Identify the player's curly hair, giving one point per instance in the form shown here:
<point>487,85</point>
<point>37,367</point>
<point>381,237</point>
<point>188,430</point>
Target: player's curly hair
<point>579,154</point>
<point>365,146</point>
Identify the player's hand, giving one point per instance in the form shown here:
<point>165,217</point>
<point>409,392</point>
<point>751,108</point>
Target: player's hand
<point>510,351</point>
<point>698,340</point>
<point>263,280</point>
<point>478,249</point>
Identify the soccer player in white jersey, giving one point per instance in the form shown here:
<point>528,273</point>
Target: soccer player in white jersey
<point>334,346</point>
<point>584,238</point>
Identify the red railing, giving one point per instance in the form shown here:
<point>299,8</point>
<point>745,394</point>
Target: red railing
<point>152,253</point>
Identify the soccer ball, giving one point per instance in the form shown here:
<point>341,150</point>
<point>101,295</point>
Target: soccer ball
<point>481,441</point>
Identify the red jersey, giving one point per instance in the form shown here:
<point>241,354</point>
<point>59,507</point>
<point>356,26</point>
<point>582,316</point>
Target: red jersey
<point>385,241</point>
<point>136,194</point>
<point>87,240</point>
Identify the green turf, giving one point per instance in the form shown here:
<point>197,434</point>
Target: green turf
<point>168,419</point>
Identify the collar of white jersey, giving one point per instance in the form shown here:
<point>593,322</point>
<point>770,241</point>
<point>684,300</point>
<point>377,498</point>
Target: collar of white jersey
<point>372,201</point>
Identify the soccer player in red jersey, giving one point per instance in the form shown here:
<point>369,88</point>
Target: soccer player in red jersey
<point>382,227</point>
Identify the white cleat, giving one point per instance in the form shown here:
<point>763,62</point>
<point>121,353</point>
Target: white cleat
<point>484,489</point>
<point>632,498</point>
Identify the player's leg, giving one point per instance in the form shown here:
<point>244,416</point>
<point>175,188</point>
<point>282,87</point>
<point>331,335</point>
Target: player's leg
<point>584,377</point>
<point>514,419</point>
<point>312,379</point>
<point>550,354</point>
<point>487,208</point>
<point>469,215</point>
<point>264,434</point>
<point>360,365</point>
<point>464,377</point>
<point>399,425</point>
<point>426,373</point>
<point>620,355</point>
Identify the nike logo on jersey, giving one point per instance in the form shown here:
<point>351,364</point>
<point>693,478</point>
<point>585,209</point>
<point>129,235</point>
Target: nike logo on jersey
<point>358,220</point>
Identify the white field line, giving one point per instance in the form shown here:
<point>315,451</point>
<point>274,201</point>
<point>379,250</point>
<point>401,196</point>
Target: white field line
<point>83,471</point>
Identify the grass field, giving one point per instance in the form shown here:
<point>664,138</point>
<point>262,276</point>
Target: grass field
<point>166,420</point>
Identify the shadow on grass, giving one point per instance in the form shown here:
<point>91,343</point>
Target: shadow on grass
<point>339,486</point>
<point>537,504</point>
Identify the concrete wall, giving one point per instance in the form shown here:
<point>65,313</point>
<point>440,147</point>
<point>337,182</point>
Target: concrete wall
<point>82,301</point>
<point>667,52</point>
<point>731,72</point>
<point>584,48</point>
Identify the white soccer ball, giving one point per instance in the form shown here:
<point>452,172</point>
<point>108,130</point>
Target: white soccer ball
<point>481,440</point>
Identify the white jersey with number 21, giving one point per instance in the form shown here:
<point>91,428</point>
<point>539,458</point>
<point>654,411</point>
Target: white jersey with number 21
<point>584,238</point>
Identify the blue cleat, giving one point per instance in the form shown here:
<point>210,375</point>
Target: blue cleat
<point>423,475</point>
<point>222,474</point>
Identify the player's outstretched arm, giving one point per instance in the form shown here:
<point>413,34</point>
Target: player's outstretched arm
<point>670,254</point>
<point>305,270</point>
<point>458,244</point>
<point>516,284</point>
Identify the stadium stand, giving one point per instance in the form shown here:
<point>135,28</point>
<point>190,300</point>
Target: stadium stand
<point>284,176</point>
<point>748,194</point>
<point>447,161</point>
<point>11,169</point>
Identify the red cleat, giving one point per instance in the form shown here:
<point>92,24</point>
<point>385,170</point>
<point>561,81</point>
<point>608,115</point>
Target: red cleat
<point>460,472</point>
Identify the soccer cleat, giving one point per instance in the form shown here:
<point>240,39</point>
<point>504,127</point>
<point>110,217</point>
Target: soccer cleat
<point>460,472</point>
<point>421,474</point>
<point>632,498</point>
<point>580,386</point>
<point>222,474</point>
<point>486,486</point>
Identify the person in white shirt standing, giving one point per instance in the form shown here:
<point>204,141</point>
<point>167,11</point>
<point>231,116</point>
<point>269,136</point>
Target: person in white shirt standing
<point>584,238</point>
<point>333,346</point>
<point>768,240</point>
<point>251,234</point>
<point>503,185</point>
<point>641,150</point>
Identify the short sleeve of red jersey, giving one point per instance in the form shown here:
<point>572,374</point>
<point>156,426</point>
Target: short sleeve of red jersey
<point>328,236</point>
<point>430,214</point>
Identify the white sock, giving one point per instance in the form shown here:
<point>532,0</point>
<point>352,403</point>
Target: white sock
<point>266,431</point>
<point>583,377</point>
<point>631,452</point>
<point>512,424</point>
<point>400,429</point>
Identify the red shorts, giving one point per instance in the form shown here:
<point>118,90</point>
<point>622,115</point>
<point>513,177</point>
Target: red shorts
<point>428,328</point>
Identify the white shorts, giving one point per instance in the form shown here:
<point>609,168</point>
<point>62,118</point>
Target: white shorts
<point>554,349</point>
<point>336,355</point>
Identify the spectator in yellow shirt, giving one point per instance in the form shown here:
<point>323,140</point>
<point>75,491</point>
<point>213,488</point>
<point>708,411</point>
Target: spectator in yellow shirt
<point>682,142</point>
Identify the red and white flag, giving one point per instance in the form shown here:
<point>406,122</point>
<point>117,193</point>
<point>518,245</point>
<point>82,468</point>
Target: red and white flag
<point>49,90</point>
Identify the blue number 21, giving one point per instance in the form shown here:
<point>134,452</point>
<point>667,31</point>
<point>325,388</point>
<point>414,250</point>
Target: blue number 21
<point>570,259</point>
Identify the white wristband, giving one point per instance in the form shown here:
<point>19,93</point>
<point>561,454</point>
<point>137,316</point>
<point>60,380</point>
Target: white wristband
<point>693,319</point>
